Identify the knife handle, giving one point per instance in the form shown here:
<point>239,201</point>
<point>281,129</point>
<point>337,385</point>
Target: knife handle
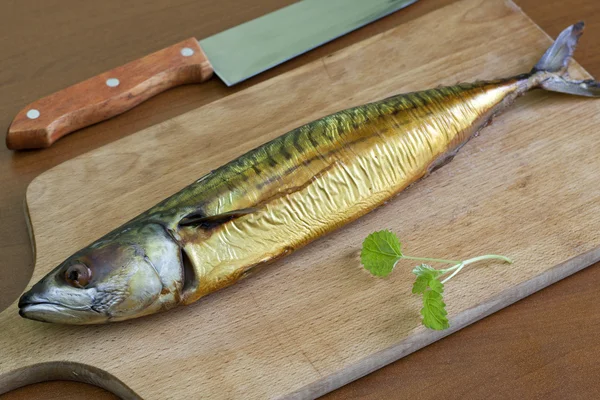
<point>44,121</point>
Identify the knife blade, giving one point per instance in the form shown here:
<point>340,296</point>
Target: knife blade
<point>233,55</point>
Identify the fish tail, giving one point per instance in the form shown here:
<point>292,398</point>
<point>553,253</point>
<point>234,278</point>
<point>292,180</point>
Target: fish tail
<point>551,70</point>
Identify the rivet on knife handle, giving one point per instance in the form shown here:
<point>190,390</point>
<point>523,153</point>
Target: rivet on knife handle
<point>44,121</point>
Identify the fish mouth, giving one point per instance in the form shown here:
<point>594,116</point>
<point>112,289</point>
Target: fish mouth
<point>45,311</point>
<point>30,304</point>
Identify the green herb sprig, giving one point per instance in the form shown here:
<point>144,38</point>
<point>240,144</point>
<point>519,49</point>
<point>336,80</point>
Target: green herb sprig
<point>382,250</point>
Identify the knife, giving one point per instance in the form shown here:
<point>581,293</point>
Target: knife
<point>233,55</point>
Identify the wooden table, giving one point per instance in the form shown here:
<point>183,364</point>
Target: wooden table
<point>545,345</point>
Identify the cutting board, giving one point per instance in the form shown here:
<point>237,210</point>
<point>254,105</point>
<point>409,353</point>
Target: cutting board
<point>527,187</point>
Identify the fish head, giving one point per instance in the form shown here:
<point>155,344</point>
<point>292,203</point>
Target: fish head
<point>107,281</point>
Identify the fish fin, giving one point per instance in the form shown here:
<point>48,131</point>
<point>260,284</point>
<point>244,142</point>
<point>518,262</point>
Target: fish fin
<point>589,87</point>
<point>210,221</point>
<point>555,62</point>
<point>556,59</point>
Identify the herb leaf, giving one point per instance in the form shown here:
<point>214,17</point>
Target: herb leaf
<point>380,252</point>
<point>425,273</point>
<point>434,309</point>
<point>436,285</point>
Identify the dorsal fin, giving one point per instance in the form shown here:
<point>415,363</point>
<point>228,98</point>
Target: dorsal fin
<point>198,219</point>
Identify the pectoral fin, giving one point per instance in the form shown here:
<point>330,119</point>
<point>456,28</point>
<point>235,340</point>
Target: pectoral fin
<point>210,221</point>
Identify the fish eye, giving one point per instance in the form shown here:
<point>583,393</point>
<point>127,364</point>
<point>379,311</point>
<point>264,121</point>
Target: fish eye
<point>78,275</point>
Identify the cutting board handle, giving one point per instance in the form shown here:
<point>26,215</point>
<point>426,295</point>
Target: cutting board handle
<point>104,96</point>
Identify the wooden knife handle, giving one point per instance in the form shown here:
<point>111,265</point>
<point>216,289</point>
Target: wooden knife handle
<point>44,121</point>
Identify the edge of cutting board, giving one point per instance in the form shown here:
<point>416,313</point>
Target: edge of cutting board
<point>504,299</point>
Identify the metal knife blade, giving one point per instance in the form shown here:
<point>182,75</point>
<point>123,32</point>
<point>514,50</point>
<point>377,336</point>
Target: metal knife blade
<point>234,55</point>
<point>260,44</point>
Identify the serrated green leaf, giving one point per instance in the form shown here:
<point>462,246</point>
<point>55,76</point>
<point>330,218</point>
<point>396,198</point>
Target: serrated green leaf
<point>420,284</point>
<point>436,286</point>
<point>380,252</point>
<point>425,273</point>
<point>434,310</point>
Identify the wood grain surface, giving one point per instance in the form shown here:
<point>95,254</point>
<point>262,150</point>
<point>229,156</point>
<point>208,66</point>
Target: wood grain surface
<point>546,336</point>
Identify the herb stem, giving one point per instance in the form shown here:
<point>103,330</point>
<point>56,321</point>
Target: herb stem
<point>439,260</point>
<point>487,257</point>
<point>460,266</point>
<point>457,270</point>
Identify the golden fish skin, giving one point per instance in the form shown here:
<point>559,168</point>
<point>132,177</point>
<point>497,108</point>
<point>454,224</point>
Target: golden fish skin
<point>330,172</point>
<point>280,197</point>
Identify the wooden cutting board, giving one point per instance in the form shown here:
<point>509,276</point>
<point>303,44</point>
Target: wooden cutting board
<point>527,187</point>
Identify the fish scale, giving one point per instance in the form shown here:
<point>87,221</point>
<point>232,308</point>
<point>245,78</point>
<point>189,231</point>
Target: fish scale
<point>369,165</point>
